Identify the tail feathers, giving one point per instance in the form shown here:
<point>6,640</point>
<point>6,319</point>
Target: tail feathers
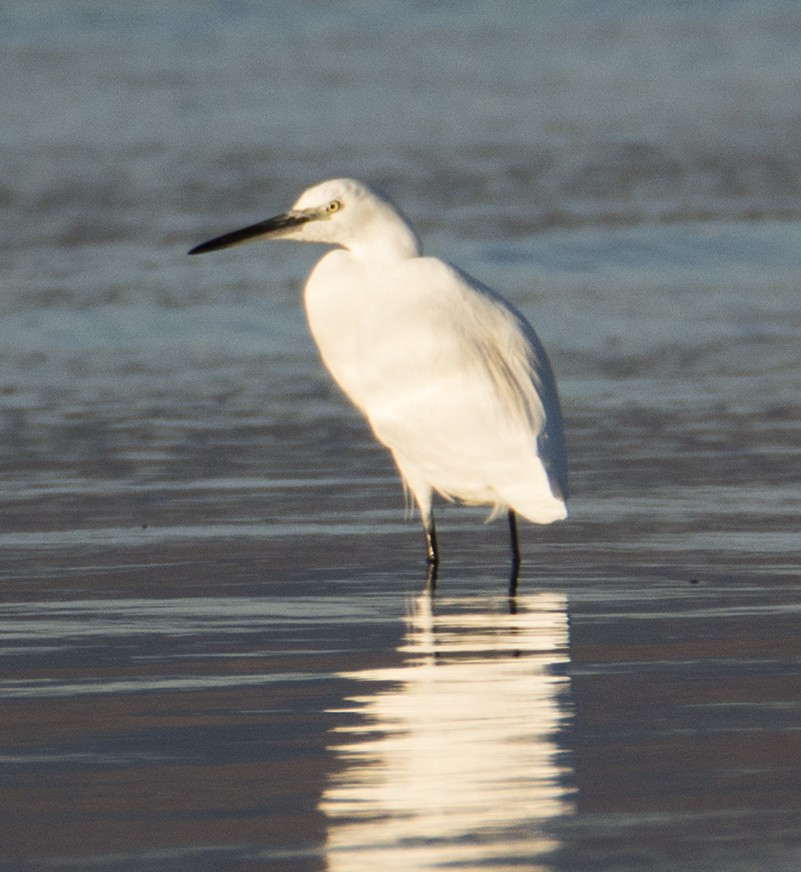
<point>535,502</point>
<point>541,512</point>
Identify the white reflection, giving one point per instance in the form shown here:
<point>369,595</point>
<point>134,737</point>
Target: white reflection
<point>454,759</point>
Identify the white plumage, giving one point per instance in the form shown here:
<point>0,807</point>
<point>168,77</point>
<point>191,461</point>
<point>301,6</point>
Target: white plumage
<point>452,379</point>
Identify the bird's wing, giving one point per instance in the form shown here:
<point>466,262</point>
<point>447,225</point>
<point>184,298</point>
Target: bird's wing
<point>463,338</point>
<point>517,362</point>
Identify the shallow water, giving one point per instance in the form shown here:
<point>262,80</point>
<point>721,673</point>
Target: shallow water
<point>217,648</point>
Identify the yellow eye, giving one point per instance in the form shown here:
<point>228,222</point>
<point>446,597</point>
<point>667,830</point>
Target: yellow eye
<point>333,206</point>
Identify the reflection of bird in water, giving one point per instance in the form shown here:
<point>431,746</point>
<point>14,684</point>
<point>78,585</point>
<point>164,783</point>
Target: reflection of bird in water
<point>452,379</point>
<point>455,755</point>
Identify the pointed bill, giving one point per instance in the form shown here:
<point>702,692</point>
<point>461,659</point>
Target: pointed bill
<point>271,227</point>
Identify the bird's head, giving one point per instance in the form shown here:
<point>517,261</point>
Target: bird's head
<point>341,212</point>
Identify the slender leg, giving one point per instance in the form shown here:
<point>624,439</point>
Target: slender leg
<point>513,538</point>
<point>515,542</point>
<point>432,551</point>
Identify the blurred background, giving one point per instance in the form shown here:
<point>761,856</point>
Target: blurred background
<point>627,173</point>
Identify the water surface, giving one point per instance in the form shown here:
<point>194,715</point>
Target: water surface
<point>217,648</point>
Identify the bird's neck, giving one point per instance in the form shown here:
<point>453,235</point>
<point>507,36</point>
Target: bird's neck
<point>387,244</point>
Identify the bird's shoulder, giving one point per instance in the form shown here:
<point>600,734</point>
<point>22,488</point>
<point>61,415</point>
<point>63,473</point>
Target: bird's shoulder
<point>438,276</point>
<point>446,289</point>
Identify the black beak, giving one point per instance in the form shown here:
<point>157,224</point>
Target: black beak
<point>270,227</point>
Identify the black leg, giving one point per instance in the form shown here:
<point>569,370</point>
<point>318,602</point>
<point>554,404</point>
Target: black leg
<point>515,542</point>
<point>432,551</point>
<point>513,538</point>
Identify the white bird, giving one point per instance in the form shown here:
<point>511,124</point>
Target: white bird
<point>452,378</point>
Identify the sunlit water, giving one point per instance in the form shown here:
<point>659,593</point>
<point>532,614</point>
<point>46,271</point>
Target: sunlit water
<point>216,651</point>
<point>454,759</point>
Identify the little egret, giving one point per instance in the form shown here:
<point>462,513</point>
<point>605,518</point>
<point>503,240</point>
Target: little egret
<point>452,378</point>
